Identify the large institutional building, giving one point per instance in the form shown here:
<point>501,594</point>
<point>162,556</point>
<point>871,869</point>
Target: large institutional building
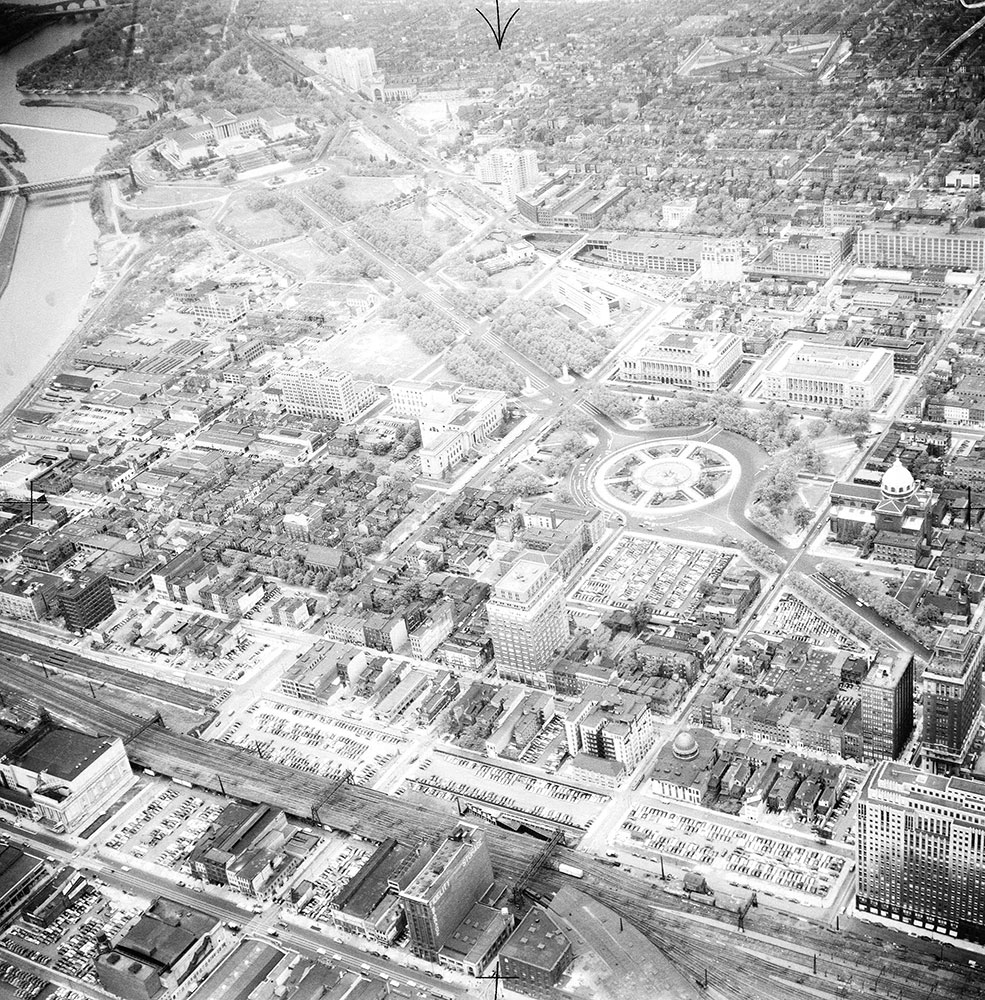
<point>952,697</point>
<point>527,618</point>
<point>61,777</point>
<point>684,358</point>
<point>921,850</point>
<point>316,389</point>
<point>896,514</point>
<point>596,304</point>
<point>822,375</point>
<point>454,418</point>
<point>657,253</point>
<point>892,245</point>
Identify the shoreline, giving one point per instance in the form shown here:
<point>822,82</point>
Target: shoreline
<point>11,224</point>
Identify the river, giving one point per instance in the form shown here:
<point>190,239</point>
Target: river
<point>52,275</point>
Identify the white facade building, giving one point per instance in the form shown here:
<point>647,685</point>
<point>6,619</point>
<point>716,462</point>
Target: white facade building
<point>63,778</point>
<point>822,375</point>
<point>316,389</point>
<point>453,418</point>
<point>595,304</point>
<point>684,358</point>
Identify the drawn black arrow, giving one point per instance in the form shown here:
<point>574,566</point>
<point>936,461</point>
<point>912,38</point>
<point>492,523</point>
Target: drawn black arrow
<point>499,33</point>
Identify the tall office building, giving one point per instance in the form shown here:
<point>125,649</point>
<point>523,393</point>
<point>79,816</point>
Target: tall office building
<point>454,875</point>
<point>887,706</point>
<point>921,850</point>
<point>952,697</point>
<point>316,389</point>
<point>85,602</point>
<point>527,619</point>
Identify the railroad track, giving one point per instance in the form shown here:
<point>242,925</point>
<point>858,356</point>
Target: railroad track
<point>15,647</point>
<point>783,972</point>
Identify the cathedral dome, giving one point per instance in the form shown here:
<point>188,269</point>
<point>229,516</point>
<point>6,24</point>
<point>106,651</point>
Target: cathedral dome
<point>897,481</point>
<point>685,746</point>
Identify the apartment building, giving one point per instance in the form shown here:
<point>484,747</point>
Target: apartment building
<point>611,726</point>
<point>887,706</point>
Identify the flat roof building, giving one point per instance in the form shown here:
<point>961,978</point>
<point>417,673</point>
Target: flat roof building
<point>316,389</point>
<point>822,375</point>
<point>535,955</point>
<point>684,358</point>
<point>528,621</point>
<point>455,874</point>
<point>921,850</point>
<point>887,706</point>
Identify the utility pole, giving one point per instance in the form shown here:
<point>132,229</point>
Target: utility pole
<point>221,787</point>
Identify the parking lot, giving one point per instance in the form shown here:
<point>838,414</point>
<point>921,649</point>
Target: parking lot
<point>754,857</point>
<point>669,576</point>
<point>166,829</point>
<point>70,944</point>
<point>791,618</point>
<point>449,776</point>
<point>334,868</point>
<point>312,741</point>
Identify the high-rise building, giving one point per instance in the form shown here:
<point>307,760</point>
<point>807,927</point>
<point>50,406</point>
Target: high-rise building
<point>86,602</point>
<point>527,619</point>
<point>921,850</point>
<point>455,873</point>
<point>952,697</point>
<point>353,68</point>
<point>516,170</point>
<point>887,706</point>
<point>316,389</point>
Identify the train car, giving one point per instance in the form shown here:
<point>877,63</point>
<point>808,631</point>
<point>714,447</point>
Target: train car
<point>570,870</point>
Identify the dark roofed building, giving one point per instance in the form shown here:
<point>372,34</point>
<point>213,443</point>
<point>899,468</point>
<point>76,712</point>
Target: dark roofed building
<point>536,955</point>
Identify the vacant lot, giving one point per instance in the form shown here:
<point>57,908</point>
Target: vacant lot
<point>377,351</point>
<point>257,228</point>
<point>364,192</point>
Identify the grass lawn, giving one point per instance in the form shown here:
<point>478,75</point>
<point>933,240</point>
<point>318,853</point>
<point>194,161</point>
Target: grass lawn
<point>377,351</point>
<point>256,228</point>
<point>364,192</point>
<point>301,253</point>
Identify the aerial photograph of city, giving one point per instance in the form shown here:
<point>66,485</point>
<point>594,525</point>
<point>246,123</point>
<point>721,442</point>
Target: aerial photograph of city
<point>492,500</point>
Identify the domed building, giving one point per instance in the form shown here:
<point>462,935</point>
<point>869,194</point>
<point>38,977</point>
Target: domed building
<point>684,747</point>
<point>891,521</point>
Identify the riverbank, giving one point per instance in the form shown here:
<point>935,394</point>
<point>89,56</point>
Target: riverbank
<point>11,223</point>
<point>121,105</point>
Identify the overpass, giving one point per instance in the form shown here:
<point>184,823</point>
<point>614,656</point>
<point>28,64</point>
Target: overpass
<point>64,183</point>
